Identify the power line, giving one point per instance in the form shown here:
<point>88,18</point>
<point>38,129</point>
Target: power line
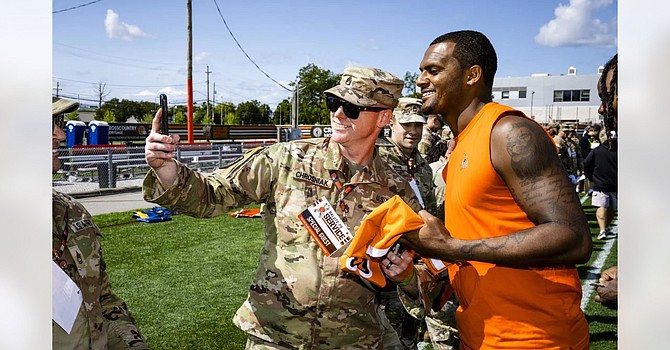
<point>76,7</point>
<point>122,85</point>
<point>245,53</point>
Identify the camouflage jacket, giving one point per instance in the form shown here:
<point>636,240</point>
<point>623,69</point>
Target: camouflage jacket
<point>298,297</point>
<point>420,171</point>
<point>428,140</point>
<point>103,319</point>
<point>570,155</point>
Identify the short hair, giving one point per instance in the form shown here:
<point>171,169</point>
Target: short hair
<point>473,48</point>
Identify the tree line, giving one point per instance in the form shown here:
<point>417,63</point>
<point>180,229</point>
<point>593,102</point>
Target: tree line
<point>311,82</point>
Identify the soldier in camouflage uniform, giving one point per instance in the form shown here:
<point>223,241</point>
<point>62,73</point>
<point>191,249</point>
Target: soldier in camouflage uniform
<point>569,152</point>
<point>431,134</point>
<point>403,156</point>
<point>401,153</point>
<point>300,297</point>
<point>103,320</point>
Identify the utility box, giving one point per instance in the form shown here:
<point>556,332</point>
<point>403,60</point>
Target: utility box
<point>98,132</point>
<point>74,132</point>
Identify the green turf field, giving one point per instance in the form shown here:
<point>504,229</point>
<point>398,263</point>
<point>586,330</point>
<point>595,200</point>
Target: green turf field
<point>184,279</point>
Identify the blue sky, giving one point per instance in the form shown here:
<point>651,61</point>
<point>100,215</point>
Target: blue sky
<point>139,48</point>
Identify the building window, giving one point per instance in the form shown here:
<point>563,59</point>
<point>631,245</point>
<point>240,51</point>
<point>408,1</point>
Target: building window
<point>572,95</point>
<point>585,95</point>
<point>505,94</point>
<point>522,92</point>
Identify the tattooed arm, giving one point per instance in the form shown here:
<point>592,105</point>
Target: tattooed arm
<point>526,160</point>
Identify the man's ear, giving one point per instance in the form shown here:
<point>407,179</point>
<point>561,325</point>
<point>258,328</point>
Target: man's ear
<point>384,118</point>
<point>473,75</point>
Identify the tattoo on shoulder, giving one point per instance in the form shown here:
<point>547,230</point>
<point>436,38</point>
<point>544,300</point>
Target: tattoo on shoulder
<point>522,146</point>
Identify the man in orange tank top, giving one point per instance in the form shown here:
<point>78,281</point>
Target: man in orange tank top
<point>514,227</point>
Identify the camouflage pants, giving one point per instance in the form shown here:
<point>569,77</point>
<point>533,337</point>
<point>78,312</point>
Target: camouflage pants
<point>255,343</point>
<point>389,338</point>
<point>404,325</point>
<point>442,327</point>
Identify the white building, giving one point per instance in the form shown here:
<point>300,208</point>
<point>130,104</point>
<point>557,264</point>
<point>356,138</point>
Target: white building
<point>546,98</point>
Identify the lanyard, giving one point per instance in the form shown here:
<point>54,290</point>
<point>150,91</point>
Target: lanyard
<point>58,254</point>
<point>410,168</point>
<point>342,192</point>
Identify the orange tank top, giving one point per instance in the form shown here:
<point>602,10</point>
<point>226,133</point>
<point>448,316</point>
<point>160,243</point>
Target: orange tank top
<point>502,307</point>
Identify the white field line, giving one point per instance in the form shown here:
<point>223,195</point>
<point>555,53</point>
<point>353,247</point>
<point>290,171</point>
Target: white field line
<point>597,266</point>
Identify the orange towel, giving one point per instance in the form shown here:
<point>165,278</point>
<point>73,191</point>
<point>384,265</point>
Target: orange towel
<point>376,235</point>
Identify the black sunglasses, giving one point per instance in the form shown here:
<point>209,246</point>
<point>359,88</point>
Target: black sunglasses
<point>59,121</point>
<point>350,110</point>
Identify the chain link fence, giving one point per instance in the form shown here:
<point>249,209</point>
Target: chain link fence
<point>88,169</point>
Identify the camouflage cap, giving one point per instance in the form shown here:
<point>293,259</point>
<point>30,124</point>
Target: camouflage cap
<point>367,87</point>
<point>61,106</point>
<point>408,111</point>
<point>567,127</point>
<point>552,125</point>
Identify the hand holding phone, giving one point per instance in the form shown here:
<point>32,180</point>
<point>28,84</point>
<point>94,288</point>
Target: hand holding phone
<point>164,115</point>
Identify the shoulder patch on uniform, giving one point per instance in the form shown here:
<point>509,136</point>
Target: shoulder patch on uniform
<point>77,226</point>
<point>319,181</point>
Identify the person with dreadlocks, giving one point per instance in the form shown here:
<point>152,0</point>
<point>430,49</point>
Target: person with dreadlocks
<point>607,292</point>
<point>600,166</point>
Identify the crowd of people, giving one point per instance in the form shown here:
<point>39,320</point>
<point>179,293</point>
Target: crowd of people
<point>499,227</point>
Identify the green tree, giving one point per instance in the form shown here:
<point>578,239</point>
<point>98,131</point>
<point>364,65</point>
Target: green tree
<point>207,120</point>
<point>313,81</point>
<point>74,115</point>
<point>231,119</point>
<point>125,109</point>
<point>282,114</point>
<point>250,112</point>
<point>410,85</point>
<point>147,118</point>
<point>108,116</point>
<point>265,116</point>
<point>179,117</point>
<point>221,111</point>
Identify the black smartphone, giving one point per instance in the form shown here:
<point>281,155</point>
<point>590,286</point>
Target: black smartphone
<point>397,249</point>
<point>164,115</point>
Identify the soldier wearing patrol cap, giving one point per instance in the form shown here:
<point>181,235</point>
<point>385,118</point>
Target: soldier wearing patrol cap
<point>402,154</point>
<point>569,152</point>
<point>99,319</point>
<point>406,129</point>
<point>300,297</point>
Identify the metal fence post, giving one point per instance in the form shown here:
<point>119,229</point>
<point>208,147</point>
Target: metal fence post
<point>220,147</point>
<point>111,179</point>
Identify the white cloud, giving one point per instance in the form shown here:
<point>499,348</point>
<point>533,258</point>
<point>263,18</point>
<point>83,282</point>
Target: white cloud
<point>170,91</point>
<point>199,57</point>
<point>574,25</point>
<point>116,29</point>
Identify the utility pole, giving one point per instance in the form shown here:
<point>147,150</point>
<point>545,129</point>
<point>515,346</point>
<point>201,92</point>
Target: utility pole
<point>213,102</point>
<point>57,89</point>
<point>207,72</point>
<point>189,78</point>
